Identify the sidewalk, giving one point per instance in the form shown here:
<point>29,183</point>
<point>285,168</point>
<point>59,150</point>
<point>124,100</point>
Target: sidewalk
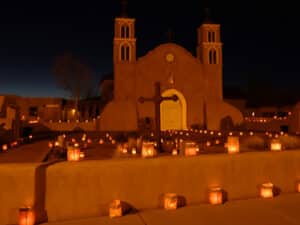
<point>282,210</point>
<point>27,153</point>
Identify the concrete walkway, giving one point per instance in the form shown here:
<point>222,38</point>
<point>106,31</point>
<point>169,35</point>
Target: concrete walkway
<point>282,210</point>
<point>27,153</point>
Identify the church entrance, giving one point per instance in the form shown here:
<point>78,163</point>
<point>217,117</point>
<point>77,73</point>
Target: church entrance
<point>173,114</point>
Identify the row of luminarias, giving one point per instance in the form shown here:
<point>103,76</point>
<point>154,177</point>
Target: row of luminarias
<point>13,144</point>
<point>171,201</point>
<point>149,149</point>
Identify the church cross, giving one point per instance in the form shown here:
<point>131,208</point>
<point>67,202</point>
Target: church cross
<point>157,99</point>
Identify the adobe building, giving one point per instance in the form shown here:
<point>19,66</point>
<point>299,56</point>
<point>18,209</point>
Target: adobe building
<point>195,80</point>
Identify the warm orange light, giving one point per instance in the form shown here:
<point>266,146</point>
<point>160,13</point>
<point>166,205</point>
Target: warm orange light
<point>33,121</point>
<point>76,145</point>
<point>124,150</point>
<point>101,141</point>
<point>208,143</point>
<point>82,155</point>
<point>50,144</point>
<point>89,141</point>
<point>4,147</point>
<point>26,216</point>
<point>115,209</point>
<point>266,190</point>
<point>276,145</point>
<point>133,151</point>
<point>215,196</point>
<point>56,144</point>
<point>14,144</point>
<point>73,154</point>
<point>190,149</point>
<point>30,136</point>
<point>298,187</point>
<point>113,141</point>
<point>170,201</point>
<point>174,152</point>
<point>233,145</point>
<point>83,137</point>
<point>73,140</point>
<point>148,149</point>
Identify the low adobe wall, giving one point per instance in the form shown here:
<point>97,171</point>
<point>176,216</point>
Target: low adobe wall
<point>21,185</point>
<point>84,189</point>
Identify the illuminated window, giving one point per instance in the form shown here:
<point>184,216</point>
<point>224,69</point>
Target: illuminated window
<point>125,51</point>
<point>125,31</point>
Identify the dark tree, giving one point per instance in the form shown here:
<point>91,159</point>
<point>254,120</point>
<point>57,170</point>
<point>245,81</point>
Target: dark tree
<point>73,76</point>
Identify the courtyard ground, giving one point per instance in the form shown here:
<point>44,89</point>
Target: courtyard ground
<point>282,210</point>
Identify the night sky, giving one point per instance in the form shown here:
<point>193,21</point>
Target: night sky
<point>261,41</point>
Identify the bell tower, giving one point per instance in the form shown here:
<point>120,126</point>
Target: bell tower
<point>124,37</point>
<point>209,52</point>
<point>124,54</point>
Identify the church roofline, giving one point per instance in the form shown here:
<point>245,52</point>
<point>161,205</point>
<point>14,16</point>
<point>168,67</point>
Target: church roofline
<point>169,45</point>
<point>124,18</point>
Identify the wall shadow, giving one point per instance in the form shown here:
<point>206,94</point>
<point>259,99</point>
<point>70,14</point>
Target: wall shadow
<point>40,192</point>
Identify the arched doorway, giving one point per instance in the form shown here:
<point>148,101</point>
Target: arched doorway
<point>173,114</point>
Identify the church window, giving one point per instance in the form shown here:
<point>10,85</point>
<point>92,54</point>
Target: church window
<point>212,56</point>
<point>125,31</point>
<point>215,56</point>
<point>125,52</point>
<point>211,36</point>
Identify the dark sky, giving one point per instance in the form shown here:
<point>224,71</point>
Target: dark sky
<point>261,40</point>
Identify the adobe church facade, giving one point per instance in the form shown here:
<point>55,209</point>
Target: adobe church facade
<point>195,80</point>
